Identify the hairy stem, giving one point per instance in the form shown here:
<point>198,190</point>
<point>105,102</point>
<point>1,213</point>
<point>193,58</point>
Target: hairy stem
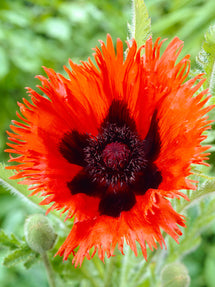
<point>49,270</point>
<point>89,277</point>
<point>109,272</point>
<point>143,267</point>
<point>124,269</point>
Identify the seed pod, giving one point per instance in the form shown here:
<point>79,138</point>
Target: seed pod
<point>175,275</point>
<point>39,234</point>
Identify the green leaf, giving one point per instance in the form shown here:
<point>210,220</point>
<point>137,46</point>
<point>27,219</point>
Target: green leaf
<point>140,29</point>
<point>21,255</point>
<point>206,59</point>
<point>22,252</point>
<point>9,241</point>
<point>188,243</point>
<point>31,260</point>
<point>191,238</point>
<point>205,189</point>
<point>206,215</point>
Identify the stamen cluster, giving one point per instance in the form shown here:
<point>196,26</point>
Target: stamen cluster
<point>115,156</point>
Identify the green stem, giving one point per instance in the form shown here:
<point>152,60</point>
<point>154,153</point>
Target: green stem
<point>99,266</point>
<point>143,266</point>
<point>204,176</point>
<point>89,276</point>
<point>124,269</point>
<point>109,271</point>
<point>211,79</point>
<point>49,270</point>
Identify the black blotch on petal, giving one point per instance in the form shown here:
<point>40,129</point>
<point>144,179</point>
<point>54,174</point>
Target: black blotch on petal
<point>82,183</point>
<point>112,204</point>
<point>152,143</point>
<point>119,114</point>
<point>150,177</point>
<point>72,147</point>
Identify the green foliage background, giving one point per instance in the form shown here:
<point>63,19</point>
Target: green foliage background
<point>48,32</point>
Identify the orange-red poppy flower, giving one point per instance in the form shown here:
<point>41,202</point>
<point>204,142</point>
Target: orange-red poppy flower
<point>110,144</point>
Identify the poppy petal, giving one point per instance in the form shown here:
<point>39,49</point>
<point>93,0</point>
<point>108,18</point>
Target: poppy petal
<point>104,233</point>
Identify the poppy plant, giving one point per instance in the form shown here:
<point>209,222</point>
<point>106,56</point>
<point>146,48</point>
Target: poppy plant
<point>111,143</point>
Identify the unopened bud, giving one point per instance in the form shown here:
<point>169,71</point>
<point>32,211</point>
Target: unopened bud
<point>175,275</point>
<point>39,234</point>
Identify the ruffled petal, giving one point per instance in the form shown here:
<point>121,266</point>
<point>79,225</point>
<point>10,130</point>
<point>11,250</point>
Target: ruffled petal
<point>182,122</point>
<point>142,224</point>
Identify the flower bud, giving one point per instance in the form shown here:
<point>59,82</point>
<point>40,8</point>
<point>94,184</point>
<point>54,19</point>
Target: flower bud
<point>39,234</point>
<point>175,275</point>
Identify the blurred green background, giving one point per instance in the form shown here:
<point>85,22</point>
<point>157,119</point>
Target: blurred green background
<point>48,32</point>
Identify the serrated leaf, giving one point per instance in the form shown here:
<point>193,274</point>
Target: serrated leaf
<point>21,255</point>
<point>140,29</point>
<point>205,216</point>
<point>207,188</point>
<point>206,59</point>
<point>9,241</point>
<point>188,243</point>
<point>32,259</point>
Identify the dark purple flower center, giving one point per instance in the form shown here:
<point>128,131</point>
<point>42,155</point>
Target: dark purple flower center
<point>117,163</point>
<point>115,155</point>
